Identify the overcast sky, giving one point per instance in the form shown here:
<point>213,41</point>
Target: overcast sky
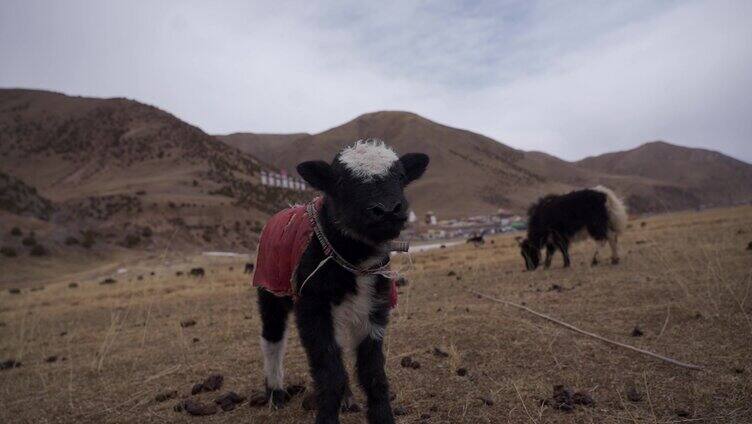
<point>572,78</point>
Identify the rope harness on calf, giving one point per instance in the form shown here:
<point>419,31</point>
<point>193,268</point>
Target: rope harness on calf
<point>286,236</point>
<point>382,268</point>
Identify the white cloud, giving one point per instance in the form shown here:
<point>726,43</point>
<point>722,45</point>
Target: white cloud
<point>569,78</point>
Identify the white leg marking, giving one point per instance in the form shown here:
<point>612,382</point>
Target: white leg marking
<point>274,353</point>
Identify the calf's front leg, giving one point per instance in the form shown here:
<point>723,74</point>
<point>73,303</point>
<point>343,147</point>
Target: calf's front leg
<point>316,328</point>
<point>372,378</point>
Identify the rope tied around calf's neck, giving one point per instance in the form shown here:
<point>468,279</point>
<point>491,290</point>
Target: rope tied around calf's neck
<point>381,268</point>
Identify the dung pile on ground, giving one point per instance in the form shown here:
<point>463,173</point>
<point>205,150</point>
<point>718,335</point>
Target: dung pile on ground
<point>166,395</point>
<point>226,401</point>
<point>260,398</point>
<point>409,362</point>
<point>634,395</point>
<point>213,382</point>
<point>565,399</point>
<point>187,323</point>
<point>229,401</point>
<point>196,408</point>
<point>10,363</point>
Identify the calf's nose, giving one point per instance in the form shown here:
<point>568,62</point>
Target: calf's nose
<point>390,209</point>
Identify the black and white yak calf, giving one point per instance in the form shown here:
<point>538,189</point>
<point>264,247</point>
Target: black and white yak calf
<point>555,221</point>
<point>328,263</point>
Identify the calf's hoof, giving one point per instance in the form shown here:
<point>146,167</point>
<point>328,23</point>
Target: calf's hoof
<point>381,414</point>
<point>348,403</point>
<point>274,398</point>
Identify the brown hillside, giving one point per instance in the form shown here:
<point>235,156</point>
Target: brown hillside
<point>20,199</point>
<point>472,174</point>
<point>262,146</point>
<point>642,194</point>
<point>117,167</point>
<point>712,177</point>
<point>469,173</point>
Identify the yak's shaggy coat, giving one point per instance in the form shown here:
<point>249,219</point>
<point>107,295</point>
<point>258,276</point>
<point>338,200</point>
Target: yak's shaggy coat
<point>556,221</point>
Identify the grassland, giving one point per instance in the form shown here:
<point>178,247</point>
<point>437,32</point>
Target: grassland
<point>685,280</point>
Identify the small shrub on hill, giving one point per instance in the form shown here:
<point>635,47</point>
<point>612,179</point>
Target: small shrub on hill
<point>132,240</point>
<point>16,232</point>
<point>29,241</point>
<point>88,239</point>
<point>71,241</point>
<point>39,250</point>
<point>8,251</point>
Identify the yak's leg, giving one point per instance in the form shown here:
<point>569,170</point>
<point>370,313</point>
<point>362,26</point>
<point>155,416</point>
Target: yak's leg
<point>372,378</point>
<point>316,327</point>
<point>563,244</point>
<point>274,313</point>
<point>598,245</point>
<point>598,231</point>
<point>550,250</point>
<point>612,242</point>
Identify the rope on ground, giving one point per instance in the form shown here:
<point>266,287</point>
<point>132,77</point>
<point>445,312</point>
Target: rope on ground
<point>589,334</point>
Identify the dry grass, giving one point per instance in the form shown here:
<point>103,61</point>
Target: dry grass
<point>686,280</point>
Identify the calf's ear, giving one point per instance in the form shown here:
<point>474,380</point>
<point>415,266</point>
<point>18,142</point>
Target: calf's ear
<point>415,165</point>
<point>318,174</point>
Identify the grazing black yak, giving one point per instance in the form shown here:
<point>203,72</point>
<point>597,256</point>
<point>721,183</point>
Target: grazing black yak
<point>328,262</point>
<point>555,221</point>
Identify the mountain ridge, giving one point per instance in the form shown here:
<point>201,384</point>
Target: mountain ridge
<point>528,174</point>
<point>72,148</point>
<point>117,167</point>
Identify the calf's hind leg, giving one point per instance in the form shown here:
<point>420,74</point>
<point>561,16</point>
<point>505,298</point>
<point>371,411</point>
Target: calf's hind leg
<point>274,314</point>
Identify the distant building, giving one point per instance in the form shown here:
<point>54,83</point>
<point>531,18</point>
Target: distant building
<point>431,218</point>
<point>433,234</point>
<point>504,213</point>
<point>282,180</point>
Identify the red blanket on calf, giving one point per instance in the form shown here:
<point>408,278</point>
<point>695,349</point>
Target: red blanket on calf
<point>283,240</point>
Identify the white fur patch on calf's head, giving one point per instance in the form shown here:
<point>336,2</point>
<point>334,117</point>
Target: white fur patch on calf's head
<point>367,159</point>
